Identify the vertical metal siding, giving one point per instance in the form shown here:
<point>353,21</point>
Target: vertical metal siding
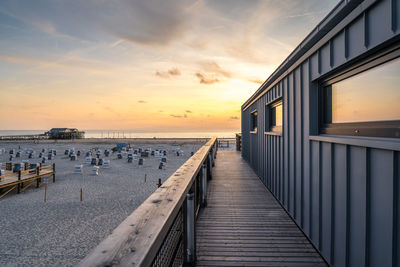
<point>344,197</point>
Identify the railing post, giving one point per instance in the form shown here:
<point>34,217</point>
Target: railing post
<point>212,156</point>
<point>204,185</point>
<point>189,224</point>
<point>209,166</point>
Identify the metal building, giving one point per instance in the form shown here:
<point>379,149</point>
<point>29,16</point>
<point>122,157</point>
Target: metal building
<point>323,134</point>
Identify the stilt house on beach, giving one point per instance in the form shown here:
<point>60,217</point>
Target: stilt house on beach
<point>65,133</point>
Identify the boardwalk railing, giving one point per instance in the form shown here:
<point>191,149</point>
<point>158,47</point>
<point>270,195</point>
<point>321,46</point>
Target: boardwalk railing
<point>161,231</point>
<point>16,179</point>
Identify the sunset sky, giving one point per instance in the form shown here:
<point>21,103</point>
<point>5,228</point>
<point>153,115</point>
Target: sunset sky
<point>142,65</point>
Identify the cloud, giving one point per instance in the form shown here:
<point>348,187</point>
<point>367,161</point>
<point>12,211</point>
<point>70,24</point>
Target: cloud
<point>258,81</point>
<point>188,111</point>
<point>168,73</point>
<point>206,80</point>
<point>150,22</point>
<point>142,102</point>
<point>213,67</point>
<point>234,117</point>
<point>211,73</point>
<point>178,116</point>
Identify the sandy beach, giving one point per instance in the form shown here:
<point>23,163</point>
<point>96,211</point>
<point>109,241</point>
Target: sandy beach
<point>62,230</point>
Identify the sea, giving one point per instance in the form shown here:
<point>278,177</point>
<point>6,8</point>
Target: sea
<point>131,134</point>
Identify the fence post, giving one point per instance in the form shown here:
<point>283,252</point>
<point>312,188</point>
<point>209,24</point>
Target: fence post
<point>54,172</point>
<point>38,179</point>
<point>19,184</point>
<point>203,187</point>
<point>189,231</point>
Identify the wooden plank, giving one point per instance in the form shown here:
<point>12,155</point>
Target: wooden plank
<point>244,225</point>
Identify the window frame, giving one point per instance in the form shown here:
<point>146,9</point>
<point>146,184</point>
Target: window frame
<point>273,128</point>
<point>382,128</point>
<point>253,128</point>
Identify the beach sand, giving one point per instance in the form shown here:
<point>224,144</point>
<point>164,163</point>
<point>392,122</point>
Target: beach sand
<point>63,230</point>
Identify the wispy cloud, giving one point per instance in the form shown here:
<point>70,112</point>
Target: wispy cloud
<point>178,116</point>
<point>212,73</point>
<point>188,111</point>
<point>234,118</point>
<point>206,80</point>
<point>213,67</point>
<point>168,73</point>
<point>142,102</point>
<point>257,81</point>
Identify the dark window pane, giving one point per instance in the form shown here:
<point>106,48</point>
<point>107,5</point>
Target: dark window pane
<point>373,95</point>
<point>254,121</point>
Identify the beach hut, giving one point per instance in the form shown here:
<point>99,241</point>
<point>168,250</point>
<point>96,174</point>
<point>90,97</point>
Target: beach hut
<point>161,165</point>
<point>78,168</point>
<point>106,164</point>
<point>88,160</point>
<point>94,161</point>
<point>95,169</point>
<point>141,161</point>
<point>119,155</point>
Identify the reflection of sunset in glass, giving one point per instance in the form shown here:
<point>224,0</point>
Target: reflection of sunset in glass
<point>181,66</point>
<point>364,97</point>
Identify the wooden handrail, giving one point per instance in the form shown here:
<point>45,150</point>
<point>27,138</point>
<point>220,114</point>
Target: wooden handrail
<point>137,240</point>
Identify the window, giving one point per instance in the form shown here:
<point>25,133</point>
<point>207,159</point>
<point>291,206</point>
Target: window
<point>275,117</point>
<point>253,127</point>
<point>364,101</point>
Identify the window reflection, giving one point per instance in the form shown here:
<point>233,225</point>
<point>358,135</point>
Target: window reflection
<point>254,121</point>
<point>275,117</point>
<point>373,95</point>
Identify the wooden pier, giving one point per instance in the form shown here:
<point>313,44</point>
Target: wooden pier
<point>244,225</point>
<point>22,179</point>
<point>236,222</point>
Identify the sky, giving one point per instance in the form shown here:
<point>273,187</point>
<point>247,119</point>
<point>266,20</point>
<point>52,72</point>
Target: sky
<point>184,65</point>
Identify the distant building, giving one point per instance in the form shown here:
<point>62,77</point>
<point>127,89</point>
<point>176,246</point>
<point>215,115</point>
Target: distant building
<point>65,133</point>
<point>323,134</point>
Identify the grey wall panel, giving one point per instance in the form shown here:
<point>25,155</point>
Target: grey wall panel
<point>314,66</point>
<point>381,207</point>
<point>357,205</point>
<point>315,193</point>
<point>338,50</point>
<point>291,150</point>
<point>396,16</point>
<point>326,199</point>
<point>379,21</point>
<point>325,55</point>
<point>298,146</point>
<point>339,206</point>
<point>306,148</point>
<point>356,38</point>
<point>286,131</point>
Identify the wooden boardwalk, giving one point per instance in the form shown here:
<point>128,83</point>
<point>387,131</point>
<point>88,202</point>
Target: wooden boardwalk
<point>244,225</point>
